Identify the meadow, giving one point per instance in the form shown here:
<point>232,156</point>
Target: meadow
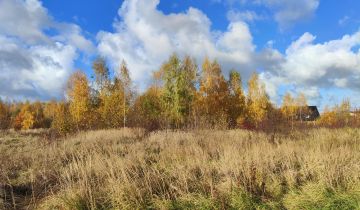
<point>198,169</point>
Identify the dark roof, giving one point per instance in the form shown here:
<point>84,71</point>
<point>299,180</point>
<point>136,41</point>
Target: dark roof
<point>308,113</point>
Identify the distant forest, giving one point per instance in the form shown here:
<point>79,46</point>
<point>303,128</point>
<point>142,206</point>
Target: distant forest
<point>182,96</point>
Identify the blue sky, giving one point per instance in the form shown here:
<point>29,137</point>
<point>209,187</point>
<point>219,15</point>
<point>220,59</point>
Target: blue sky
<point>99,15</point>
<point>310,46</point>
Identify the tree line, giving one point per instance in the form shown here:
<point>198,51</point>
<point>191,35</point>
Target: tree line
<point>181,96</point>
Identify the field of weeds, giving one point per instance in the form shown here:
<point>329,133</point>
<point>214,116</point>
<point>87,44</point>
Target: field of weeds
<point>131,169</point>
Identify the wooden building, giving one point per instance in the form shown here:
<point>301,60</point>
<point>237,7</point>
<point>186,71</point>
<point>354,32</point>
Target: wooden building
<point>307,113</point>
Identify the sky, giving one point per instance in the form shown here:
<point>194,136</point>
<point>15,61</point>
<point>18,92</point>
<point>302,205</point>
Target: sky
<point>309,46</point>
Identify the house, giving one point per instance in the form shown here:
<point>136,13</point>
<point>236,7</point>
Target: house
<point>307,113</point>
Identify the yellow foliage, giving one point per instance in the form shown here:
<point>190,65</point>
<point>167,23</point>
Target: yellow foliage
<point>28,120</point>
<point>258,103</point>
<point>289,108</point>
<point>112,108</point>
<point>50,109</point>
<point>328,118</point>
<point>62,122</point>
<point>79,96</point>
<point>26,117</point>
<point>338,116</point>
<point>146,111</point>
<point>236,106</point>
<point>214,93</point>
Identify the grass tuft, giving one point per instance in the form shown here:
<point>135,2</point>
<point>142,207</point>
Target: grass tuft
<point>202,169</point>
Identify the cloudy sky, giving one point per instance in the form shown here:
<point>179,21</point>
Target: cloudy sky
<point>295,45</point>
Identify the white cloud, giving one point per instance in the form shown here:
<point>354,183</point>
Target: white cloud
<point>146,37</point>
<point>271,83</point>
<point>34,65</point>
<point>71,33</point>
<point>35,72</point>
<point>24,19</point>
<point>285,12</point>
<point>322,63</point>
<point>313,66</point>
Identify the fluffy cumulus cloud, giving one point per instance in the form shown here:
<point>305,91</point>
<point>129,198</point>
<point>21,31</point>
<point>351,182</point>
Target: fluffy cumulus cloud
<point>34,65</point>
<point>145,37</point>
<point>35,72</point>
<point>24,19</point>
<point>313,66</point>
<point>331,63</point>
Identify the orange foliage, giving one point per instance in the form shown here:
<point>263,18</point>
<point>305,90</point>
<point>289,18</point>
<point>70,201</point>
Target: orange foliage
<point>214,95</point>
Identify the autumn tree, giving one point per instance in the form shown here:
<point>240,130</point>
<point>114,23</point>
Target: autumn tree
<point>301,106</point>
<point>29,115</point>
<point>289,108</point>
<point>5,116</point>
<point>178,78</point>
<point>169,96</point>
<point>338,116</point>
<point>16,117</point>
<point>100,92</point>
<point>186,88</point>
<point>237,101</point>
<point>147,109</point>
<point>111,109</point>
<point>213,94</point>
<point>25,119</point>
<point>258,103</point>
<point>62,122</point>
<point>78,92</point>
<point>102,75</point>
<point>127,89</point>
<point>327,118</point>
<point>49,112</point>
<point>39,118</point>
<point>28,121</point>
<point>344,112</point>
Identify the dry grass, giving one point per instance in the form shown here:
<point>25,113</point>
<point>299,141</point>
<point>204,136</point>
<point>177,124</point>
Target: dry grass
<point>128,169</point>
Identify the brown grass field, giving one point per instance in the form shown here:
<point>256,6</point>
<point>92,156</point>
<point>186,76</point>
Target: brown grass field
<point>205,169</point>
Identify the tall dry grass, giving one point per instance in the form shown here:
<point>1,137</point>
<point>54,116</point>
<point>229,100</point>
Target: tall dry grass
<point>207,169</point>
